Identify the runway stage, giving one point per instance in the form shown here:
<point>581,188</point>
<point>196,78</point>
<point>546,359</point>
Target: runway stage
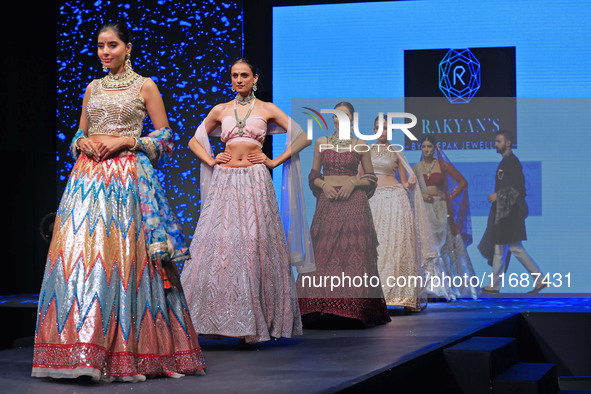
<point>406,355</point>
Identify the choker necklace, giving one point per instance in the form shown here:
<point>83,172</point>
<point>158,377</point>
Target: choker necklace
<point>335,141</point>
<point>241,123</point>
<point>244,100</point>
<point>119,81</point>
<point>379,150</point>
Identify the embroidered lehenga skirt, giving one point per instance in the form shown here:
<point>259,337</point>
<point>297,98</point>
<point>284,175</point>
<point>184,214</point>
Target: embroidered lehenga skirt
<point>345,244</point>
<point>454,256</point>
<point>239,282</point>
<point>103,307</point>
<point>399,268</point>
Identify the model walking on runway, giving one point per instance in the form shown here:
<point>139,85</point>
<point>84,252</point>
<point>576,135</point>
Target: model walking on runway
<point>111,306</point>
<point>239,281</point>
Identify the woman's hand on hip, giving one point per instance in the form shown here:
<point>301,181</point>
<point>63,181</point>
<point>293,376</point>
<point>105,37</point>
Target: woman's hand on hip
<point>261,158</point>
<point>222,158</point>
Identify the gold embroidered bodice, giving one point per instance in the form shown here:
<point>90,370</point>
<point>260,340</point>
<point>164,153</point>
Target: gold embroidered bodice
<point>119,112</point>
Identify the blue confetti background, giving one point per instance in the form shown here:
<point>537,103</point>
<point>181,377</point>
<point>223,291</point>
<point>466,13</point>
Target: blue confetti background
<point>185,47</point>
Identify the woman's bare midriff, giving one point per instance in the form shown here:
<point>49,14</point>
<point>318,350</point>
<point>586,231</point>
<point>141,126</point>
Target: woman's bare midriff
<point>337,180</point>
<point>240,152</point>
<point>433,190</point>
<point>386,180</point>
<point>102,137</point>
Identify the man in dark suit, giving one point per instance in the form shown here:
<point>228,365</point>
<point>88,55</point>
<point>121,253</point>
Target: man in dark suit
<point>506,222</point>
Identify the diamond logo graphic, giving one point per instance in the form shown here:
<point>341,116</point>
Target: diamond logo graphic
<point>459,75</point>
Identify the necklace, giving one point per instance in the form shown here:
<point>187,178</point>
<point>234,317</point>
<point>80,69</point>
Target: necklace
<point>244,100</point>
<point>241,123</point>
<point>119,81</point>
<point>379,149</point>
<point>428,170</point>
<point>336,141</point>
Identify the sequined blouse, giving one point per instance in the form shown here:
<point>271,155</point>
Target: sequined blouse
<point>120,113</point>
<point>384,162</point>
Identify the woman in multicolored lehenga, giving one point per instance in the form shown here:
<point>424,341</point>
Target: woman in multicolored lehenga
<point>239,281</point>
<point>111,306</point>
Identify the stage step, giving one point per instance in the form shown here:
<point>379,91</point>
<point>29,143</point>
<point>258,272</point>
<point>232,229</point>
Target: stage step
<point>18,313</point>
<point>474,363</point>
<point>580,383</point>
<point>527,378</point>
<point>574,392</point>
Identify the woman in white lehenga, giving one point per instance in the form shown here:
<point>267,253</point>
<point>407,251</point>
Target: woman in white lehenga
<point>445,192</point>
<point>406,251</point>
<point>239,282</point>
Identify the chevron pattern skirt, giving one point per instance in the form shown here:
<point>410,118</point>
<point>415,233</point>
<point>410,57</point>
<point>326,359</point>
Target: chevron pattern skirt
<point>103,307</point>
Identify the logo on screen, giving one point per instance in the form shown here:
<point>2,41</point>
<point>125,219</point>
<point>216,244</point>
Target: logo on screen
<point>345,126</point>
<point>459,75</point>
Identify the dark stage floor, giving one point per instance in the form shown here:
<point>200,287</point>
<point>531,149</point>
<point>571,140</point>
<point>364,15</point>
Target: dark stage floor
<point>318,361</point>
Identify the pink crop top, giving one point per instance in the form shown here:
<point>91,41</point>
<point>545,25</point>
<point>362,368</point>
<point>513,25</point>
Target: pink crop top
<point>254,130</point>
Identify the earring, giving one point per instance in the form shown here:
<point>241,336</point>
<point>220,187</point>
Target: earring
<point>254,87</point>
<point>105,69</point>
<point>233,90</point>
<point>128,63</point>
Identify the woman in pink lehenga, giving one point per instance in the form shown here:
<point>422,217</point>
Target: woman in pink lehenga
<point>239,281</point>
<point>344,238</point>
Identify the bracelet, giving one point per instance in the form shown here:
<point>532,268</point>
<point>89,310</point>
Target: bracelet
<point>136,145</point>
<point>322,186</point>
<point>370,177</point>
<point>76,142</point>
<point>353,182</point>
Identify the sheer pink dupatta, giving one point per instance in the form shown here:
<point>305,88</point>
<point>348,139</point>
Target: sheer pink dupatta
<point>292,207</point>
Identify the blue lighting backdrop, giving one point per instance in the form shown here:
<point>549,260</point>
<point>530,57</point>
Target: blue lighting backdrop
<point>186,47</point>
<point>326,53</point>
